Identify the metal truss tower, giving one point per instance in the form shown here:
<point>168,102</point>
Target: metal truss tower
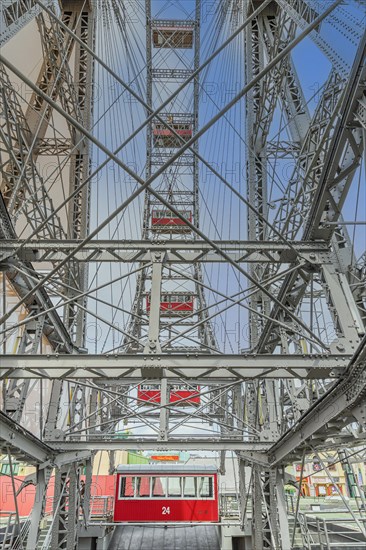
<point>170,303</point>
<point>298,385</point>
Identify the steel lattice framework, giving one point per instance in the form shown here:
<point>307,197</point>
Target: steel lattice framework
<point>163,260</point>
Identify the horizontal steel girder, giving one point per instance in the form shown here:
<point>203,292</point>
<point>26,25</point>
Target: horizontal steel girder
<point>29,448</point>
<point>189,443</point>
<point>21,442</point>
<point>176,251</point>
<point>214,368</point>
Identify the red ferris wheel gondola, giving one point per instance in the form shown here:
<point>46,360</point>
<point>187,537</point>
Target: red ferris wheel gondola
<point>165,221</point>
<point>180,394</point>
<point>174,304</point>
<point>166,493</point>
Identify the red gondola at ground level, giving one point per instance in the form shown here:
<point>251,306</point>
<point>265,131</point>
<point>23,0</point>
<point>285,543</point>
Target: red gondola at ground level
<point>166,493</point>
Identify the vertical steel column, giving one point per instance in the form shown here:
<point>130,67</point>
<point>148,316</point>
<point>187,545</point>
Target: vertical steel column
<point>59,530</point>
<point>86,498</point>
<point>262,398</point>
<point>78,214</point>
<point>65,531</point>
<point>164,411</point>
<point>16,392</point>
<point>253,56</point>
<point>42,479</point>
<point>242,492</point>
<point>73,509</point>
<point>66,508</point>
<point>153,343</point>
<point>257,505</point>
<point>281,510</point>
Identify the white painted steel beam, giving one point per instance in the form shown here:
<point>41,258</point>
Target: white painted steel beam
<point>21,442</point>
<point>144,443</point>
<point>29,448</point>
<point>187,251</point>
<point>190,365</point>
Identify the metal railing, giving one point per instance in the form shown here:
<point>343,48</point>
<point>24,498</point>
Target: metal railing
<point>327,533</point>
<point>306,537</point>
<point>101,507</point>
<point>229,506</point>
<point>12,537</point>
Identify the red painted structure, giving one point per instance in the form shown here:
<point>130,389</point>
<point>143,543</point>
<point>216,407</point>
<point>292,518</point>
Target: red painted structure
<point>166,222</point>
<point>174,304</point>
<point>166,493</point>
<point>164,138</point>
<point>102,486</point>
<point>180,394</point>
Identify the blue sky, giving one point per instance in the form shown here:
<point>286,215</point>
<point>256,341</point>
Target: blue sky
<point>222,216</point>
